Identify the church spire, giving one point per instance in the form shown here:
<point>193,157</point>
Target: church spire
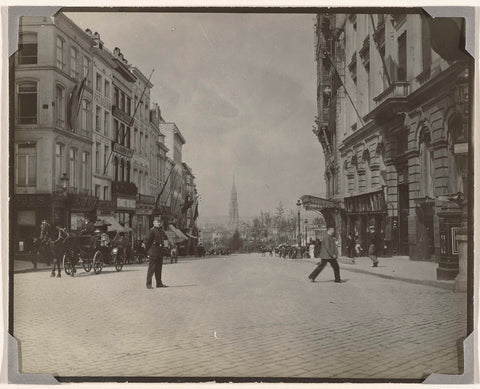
<point>234,220</point>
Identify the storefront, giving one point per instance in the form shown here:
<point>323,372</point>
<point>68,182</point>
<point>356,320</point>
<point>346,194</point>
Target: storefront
<point>28,212</point>
<point>82,208</point>
<point>364,210</point>
<point>125,210</point>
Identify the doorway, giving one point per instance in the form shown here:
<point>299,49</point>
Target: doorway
<point>403,211</point>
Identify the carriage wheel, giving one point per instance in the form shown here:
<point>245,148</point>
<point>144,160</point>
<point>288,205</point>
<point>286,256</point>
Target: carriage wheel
<point>67,264</point>
<point>97,262</point>
<point>118,261</point>
<point>87,265</point>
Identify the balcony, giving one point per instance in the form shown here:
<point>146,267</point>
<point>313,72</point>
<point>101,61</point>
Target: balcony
<point>397,89</point>
<point>118,113</point>
<point>124,188</point>
<point>391,101</point>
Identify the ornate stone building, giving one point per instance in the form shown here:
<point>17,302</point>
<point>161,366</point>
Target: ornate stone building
<point>392,121</point>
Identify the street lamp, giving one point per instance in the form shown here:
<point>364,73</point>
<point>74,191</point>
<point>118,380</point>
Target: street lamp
<point>305,223</point>
<point>299,237</point>
<point>64,180</point>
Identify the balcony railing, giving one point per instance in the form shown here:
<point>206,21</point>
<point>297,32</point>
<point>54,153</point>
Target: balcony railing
<point>125,188</point>
<point>397,89</point>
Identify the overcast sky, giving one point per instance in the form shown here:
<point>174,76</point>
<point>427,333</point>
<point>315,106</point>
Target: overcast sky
<point>241,89</point>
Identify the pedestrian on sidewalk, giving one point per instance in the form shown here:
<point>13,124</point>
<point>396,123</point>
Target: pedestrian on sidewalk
<point>350,243</point>
<point>156,242</point>
<point>328,254</point>
<point>373,241</point>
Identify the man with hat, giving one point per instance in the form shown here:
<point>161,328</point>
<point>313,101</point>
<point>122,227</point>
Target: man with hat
<point>373,245</point>
<point>328,254</point>
<point>156,241</point>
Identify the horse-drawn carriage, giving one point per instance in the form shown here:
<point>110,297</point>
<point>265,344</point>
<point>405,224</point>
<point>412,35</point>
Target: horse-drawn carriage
<point>93,249</point>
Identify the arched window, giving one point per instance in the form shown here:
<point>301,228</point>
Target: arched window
<point>60,53</point>
<point>426,165</point>
<point>455,132</point>
<point>368,173</point>
<point>27,103</point>
<point>60,106</point>
<point>27,49</point>
<point>84,117</point>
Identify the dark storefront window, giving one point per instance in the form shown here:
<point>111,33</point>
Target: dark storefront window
<point>27,103</point>
<point>27,49</point>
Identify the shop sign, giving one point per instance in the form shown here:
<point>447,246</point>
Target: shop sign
<point>367,203</point>
<point>84,204</point>
<point>122,150</point>
<point>77,220</point>
<point>125,203</point>
<point>32,200</point>
<point>26,218</point>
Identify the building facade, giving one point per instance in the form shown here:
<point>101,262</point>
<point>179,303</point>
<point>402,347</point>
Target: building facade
<point>52,132</point>
<point>88,142</point>
<point>390,113</point>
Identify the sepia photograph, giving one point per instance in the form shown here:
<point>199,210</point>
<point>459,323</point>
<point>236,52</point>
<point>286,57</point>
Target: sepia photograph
<point>240,194</point>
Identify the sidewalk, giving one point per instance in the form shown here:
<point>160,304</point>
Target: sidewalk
<point>398,268</point>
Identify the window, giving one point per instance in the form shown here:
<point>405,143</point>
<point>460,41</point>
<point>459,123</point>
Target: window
<point>27,103</point>
<point>85,108</point>
<point>146,143</point>
<point>116,97</point>
<point>135,174</point>
<point>98,83</point>
<point>85,183</point>
<point>60,106</point>
<point>73,168</point>
<point>27,165</point>
<point>129,103</point>
<point>106,121</point>
<point>27,49</point>
<point>97,157</point>
<point>107,89</point>
<point>402,57</point>
<point>74,62</point>
<point>59,162</point>
<point>106,193</point>
<point>122,101</point>
<point>105,156</point>
<point>97,191</point>
<point>141,141</point>
<point>426,166</point>
<point>60,54</point>
<point>135,135</point>
<point>127,137</point>
<point>98,120</point>
<point>86,69</point>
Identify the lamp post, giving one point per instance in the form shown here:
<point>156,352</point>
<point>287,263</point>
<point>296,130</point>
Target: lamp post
<point>299,237</point>
<point>305,224</point>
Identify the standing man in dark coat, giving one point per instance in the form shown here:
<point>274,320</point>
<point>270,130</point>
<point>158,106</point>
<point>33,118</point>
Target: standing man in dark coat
<point>328,254</point>
<point>156,241</point>
<point>373,243</point>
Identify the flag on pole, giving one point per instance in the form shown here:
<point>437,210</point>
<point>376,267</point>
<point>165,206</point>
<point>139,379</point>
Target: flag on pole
<point>195,215</point>
<point>75,102</point>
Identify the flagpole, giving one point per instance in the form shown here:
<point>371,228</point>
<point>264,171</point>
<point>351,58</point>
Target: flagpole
<point>378,48</point>
<point>344,87</point>
<point>163,188</point>
<point>130,123</point>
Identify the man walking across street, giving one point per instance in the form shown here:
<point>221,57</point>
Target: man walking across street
<point>373,245</point>
<point>156,241</point>
<point>328,254</point>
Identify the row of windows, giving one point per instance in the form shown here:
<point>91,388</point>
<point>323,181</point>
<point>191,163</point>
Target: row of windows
<point>98,192</point>
<point>102,121</point>
<point>102,87</point>
<point>76,68</point>
<point>77,178</point>
<point>122,101</point>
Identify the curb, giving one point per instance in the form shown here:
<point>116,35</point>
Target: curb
<point>432,283</point>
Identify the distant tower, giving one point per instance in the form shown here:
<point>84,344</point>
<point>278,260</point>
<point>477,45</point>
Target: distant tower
<point>233,207</point>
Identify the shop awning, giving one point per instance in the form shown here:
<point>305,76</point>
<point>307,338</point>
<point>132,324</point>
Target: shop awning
<point>367,203</point>
<point>114,224</point>
<point>317,203</point>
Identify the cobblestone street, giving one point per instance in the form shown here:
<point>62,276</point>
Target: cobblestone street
<point>238,316</point>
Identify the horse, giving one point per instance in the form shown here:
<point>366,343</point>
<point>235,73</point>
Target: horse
<point>44,242</point>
